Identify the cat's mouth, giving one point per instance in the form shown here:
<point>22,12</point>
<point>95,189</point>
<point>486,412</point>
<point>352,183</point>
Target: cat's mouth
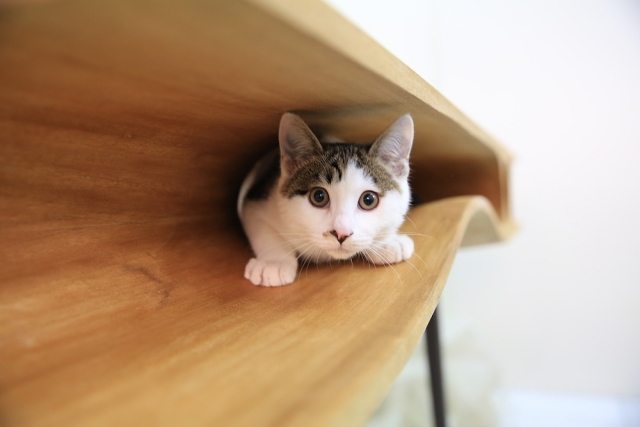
<point>341,252</point>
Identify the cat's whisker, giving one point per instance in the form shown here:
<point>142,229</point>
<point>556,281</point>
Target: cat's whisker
<point>306,257</point>
<point>423,261</point>
<point>310,254</point>
<point>378,246</point>
<point>373,249</point>
<point>407,218</point>
<point>416,227</point>
<point>289,242</point>
<point>313,258</point>
<point>309,259</point>
<point>305,263</point>
<point>367,258</point>
<point>419,235</point>
<point>302,250</point>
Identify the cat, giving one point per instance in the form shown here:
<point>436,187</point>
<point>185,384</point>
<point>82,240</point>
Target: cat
<point>326,201</point>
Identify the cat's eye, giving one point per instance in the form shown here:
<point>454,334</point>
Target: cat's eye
<point>368,200</point>
<point>318,197</point>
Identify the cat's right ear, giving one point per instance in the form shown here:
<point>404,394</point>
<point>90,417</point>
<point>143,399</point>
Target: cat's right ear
<point>297,142</point>
<point>392,148</point>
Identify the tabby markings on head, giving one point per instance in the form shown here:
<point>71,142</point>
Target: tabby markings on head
<point>330,167</point>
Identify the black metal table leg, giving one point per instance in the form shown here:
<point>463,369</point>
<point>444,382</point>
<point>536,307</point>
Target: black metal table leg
<point>435,369</point>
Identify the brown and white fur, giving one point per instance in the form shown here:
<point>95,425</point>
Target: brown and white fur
<point>326,201</point>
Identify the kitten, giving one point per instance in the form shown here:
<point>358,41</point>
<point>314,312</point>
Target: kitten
<point>326,201</point>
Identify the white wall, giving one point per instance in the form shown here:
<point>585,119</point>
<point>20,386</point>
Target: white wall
<point>559,83</point>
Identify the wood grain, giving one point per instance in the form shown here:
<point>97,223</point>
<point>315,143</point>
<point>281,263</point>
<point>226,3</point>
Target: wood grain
<point>126,128</point>
<point>153,324</point>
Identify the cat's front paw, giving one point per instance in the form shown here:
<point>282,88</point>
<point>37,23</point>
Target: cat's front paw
<point>396,249</point>
<point>270,273</point>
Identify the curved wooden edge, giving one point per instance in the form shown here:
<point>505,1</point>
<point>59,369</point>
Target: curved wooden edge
<point>168,332</point>
<point>311,17</point>
<point>486,227</point>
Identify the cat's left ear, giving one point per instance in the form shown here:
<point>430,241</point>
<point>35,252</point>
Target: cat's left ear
<point>393,147</point>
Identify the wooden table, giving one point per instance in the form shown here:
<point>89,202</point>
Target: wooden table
<point>126,127</point>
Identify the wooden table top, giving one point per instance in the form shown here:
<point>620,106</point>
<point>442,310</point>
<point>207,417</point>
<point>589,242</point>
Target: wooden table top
<point>126,128</point>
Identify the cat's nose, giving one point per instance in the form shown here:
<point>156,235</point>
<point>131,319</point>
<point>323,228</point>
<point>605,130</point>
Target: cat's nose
<point>340,235</point>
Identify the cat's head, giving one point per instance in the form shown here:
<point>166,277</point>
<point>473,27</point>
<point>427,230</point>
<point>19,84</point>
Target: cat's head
<point>340,198</point>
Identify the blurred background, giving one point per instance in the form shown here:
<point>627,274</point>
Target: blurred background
<point>545,329</point>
